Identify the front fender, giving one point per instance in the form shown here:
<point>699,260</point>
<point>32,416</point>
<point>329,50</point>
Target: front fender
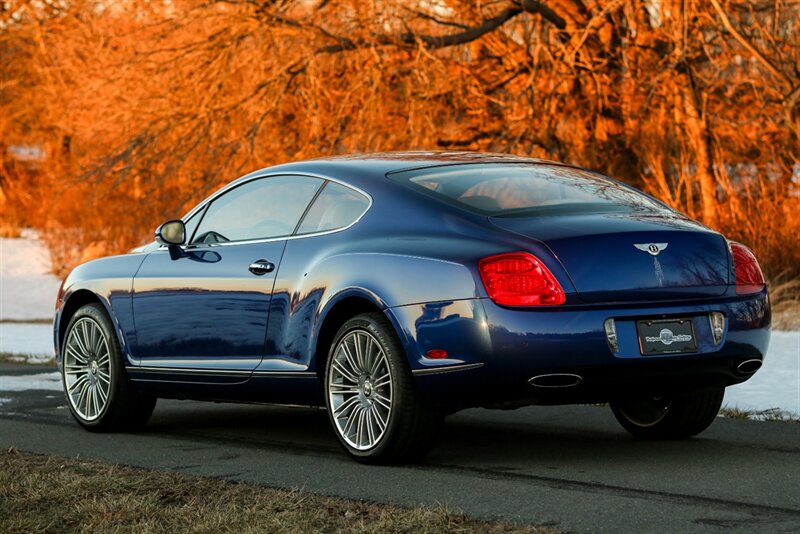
<point>108,281</point>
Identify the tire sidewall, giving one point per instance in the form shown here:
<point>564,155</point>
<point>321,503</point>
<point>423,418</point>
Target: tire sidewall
<point>99,316</point>
<point>398,368</point>
<point>680,421</point>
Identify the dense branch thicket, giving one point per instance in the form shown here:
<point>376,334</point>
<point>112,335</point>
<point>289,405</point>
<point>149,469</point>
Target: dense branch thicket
<point>116,115</point>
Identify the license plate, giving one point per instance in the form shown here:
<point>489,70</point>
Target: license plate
<point>666,336</point>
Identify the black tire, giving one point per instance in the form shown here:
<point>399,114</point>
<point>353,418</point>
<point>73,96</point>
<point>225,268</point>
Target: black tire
<point>412,426</point>
<point>122,407</point>
<point>677,417</point>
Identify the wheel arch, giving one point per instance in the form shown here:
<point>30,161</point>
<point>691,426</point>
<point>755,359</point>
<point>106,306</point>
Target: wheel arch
<point>75,301</point>
<point>336,314</point>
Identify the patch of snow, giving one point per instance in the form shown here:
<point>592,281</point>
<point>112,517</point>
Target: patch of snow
<point>27,288</point>
<point>34,341</point>
<point>40,381</point>
<point>776,386</point>
<point>4,400</point>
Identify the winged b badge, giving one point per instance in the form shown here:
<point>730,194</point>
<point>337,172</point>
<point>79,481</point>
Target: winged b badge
<point>651,248</point>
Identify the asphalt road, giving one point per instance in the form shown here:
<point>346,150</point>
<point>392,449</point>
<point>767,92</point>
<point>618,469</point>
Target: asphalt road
<point>568,467</point>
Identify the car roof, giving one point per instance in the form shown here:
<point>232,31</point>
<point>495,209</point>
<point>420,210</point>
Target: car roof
<point>362,170</point>
<point>382,163</point>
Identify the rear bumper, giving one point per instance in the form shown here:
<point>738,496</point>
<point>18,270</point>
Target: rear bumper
<point>494,351</point>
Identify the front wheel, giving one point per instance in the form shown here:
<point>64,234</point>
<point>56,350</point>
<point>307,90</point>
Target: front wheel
<point>669,417</point>
<point>373,404</point>
<point>99,394</point>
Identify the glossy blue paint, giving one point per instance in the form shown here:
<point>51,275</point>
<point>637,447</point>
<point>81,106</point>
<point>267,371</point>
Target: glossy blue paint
<point>597,250</point>
<point>199,324</point>
<point>515,345</point>
<point>108,281</point>
<point>204,309</point>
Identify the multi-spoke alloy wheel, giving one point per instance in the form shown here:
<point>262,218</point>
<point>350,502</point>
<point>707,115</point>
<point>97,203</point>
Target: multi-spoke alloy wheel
<point>360,389</point>
<point>374,406</point>
<point>99,394</point>
<point>87,369</point>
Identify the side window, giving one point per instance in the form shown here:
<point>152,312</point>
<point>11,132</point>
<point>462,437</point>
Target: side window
<point>263,208</point>
<point>336,206</point>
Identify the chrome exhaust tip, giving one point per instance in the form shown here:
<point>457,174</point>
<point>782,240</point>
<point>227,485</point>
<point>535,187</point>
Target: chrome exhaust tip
<point>556,380</point>
<point>748,367</point>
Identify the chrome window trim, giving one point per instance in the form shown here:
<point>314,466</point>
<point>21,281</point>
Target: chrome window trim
<point>247,179</point>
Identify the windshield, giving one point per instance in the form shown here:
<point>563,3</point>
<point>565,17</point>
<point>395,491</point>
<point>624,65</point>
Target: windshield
<point>523,190</point>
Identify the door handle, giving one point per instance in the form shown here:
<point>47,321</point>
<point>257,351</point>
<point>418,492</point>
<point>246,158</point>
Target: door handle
<point>261,267</point>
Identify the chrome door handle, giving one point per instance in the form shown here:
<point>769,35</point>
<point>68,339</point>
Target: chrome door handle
<point>261,267</point>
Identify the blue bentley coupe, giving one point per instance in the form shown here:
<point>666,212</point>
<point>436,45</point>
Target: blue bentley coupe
<point>394,289</point>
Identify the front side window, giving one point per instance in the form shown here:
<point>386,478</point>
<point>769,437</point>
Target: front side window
<point>261,209</point>
<point>336,206</point>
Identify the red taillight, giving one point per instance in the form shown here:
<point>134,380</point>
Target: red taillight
<point>520,279</point>
<point>749,278</point>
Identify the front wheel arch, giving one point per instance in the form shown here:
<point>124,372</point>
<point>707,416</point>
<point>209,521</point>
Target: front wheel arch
<point>76,301</point>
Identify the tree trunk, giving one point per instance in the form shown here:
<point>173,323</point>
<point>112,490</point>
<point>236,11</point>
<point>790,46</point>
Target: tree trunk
<point>699,139</point>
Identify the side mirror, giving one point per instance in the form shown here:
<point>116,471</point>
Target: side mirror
<point>171,233</point>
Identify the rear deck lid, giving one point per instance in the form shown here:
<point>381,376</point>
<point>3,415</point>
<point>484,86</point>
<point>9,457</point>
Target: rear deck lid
<point>615,258</point>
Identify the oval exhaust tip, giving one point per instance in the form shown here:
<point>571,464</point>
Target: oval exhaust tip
<point>556,380</point>
<point>749,367</point>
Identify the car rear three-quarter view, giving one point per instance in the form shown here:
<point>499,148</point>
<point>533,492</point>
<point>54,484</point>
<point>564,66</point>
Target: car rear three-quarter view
<point>394,289</point>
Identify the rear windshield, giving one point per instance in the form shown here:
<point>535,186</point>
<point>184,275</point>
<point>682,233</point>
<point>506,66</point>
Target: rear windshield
<point>524,190</point>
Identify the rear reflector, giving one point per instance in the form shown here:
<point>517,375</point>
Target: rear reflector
<point>520,279</point>
<point>436,354</point>
<point>717,321</point>
<point>749,278</point>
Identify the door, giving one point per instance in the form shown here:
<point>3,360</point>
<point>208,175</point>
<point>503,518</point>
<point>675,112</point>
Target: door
<point>206,309</point>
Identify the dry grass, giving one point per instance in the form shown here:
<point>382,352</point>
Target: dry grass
<point>50,494</point>
<point>770,414</point>
<point>785,297</point>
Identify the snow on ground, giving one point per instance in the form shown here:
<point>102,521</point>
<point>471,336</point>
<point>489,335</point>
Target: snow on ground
<point>41,381</point>
<point>777,384</point>
<point>27,289</point>
<point>27,338</point>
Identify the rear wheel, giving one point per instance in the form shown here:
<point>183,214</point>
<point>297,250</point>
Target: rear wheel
<point>99,394</point>
<point>669,417</point>
<point>373,404</point>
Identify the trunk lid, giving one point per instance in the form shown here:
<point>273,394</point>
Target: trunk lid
<point>614,257</point>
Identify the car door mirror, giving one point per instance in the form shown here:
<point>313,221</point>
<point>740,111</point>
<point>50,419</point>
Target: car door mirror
<point>171,233</point>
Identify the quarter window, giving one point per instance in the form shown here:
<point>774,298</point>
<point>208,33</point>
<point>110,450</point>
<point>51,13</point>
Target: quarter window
<point>261,209</point>
<point>336,206</point>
